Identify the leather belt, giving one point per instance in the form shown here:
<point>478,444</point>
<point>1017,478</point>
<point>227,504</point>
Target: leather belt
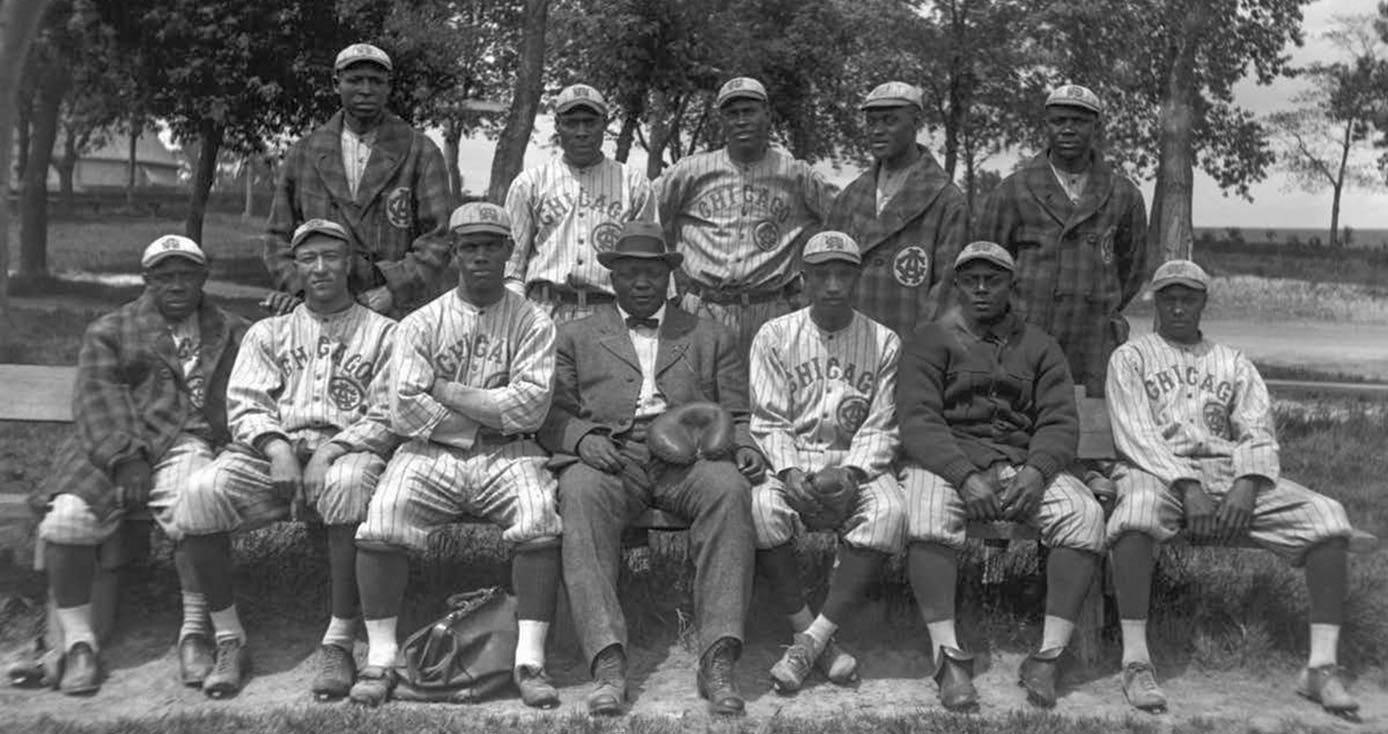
<point>550,292</point>
<point>727,296</point>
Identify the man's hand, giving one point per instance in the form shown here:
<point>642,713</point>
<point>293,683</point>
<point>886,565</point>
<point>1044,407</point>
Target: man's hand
<point>598,451</point>
<point>1022,494</point>
<point>279,303</point>
<point>799,494</point>
<point>750,463</point>
<point>980,501</point>
<point>377,299</point>
<point>286,476</point>
<point>1201,523</point>
<point>316,473</point>
<point>1235,512</point>
<point>133,480</point>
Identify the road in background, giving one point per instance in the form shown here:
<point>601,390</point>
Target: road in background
<point>1355,349</point>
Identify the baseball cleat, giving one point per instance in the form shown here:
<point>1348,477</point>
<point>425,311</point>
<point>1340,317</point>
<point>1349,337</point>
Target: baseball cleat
<point>789,673</point>
<point>837,665</point>
<point>717,678</point>
<point>374,685</point>
<point>1140,687</point>
<point>82,674</point>
<point>535,687</point>
<point>37,667</point>
<point>1326,686</point>
<point>229,672</point>
<point>196,656</point>
<point>609,693</point>
<point>954,673</point>
<point>1037,676</point>
<point>337,670</point>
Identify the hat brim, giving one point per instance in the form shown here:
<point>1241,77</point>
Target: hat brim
<point>1179,280</point>
<point>887,103</point>
<point>826,257</point>
<point>673,259</point>
<point>575,104</point>
<point>740,94</point>
<point>1009,267</point>
<point>347,63</point>
<point>302,237</point>
<point>481,228</point>
<point>162,256</point>
<point>1075,105</point>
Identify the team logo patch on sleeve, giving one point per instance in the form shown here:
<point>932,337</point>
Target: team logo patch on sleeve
<point>851,413</point>
<point>345,393</point>
<point>1217,419</point>
<point>911,266</point>
<point>605,236</point>
<point>767,235</point>
<point>398,208</point>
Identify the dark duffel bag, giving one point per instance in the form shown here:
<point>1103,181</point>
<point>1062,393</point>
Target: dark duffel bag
<point>467,655</point>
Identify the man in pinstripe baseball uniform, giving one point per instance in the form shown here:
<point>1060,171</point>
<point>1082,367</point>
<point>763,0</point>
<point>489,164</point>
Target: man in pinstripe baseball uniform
<point>565,212</point>
<point>739,215</point>
<point>823,383</point>
<point>307,403</point>
<point>1193,425</point>
<point>471,377</point>
<point>149,408</point>
<point>988,423</point>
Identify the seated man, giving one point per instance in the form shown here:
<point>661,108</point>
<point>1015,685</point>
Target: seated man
<point>307,402</point>
<point>471,377</point>
<point>1193,426</point>
<point>988,422</point>
<point>150,410</point>
<point>824,403</point>
<point>617,370</point>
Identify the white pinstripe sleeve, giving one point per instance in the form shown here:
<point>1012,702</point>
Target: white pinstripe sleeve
<point>414,413</point>
<point>255,385</point>
<point>1252,423</point>
<point>520,203</point>
<point>524,401</point>
<point>372,433</point>
<point>642,196</point>
<point>772,425</point>
<point>819,195</point>
<point>874,445</point>
<point>1136,435</point>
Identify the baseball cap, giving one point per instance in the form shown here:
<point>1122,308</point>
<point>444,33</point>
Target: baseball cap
<point>1073,95</point>
<point>361,52</point>
<point>580,95</point>
<point>1180,272</point>
<point>831,245</point>
<point>743,87</point>
<point>480,216</point>
<point>318,226</point>
<point>172,245</point>
<point>892,94</point>
<point>984,250</point>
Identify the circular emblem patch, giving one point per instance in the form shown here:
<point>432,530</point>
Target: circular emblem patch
<point>345,393</point>
<point>398,209</point>
<point>605,236</point>
<point>767,235</point>
<point>851,413</point>
<point>1106,249</point>
<point>911,266</point>
<point>196,383</point>
<point>1217,419</point>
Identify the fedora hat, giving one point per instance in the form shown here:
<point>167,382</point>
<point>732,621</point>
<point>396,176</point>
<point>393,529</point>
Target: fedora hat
<point>640,240</point>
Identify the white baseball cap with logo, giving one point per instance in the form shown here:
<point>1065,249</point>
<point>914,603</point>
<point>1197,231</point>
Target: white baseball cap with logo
<point>987,251</point>
<point>480,217</point>
<point>830,245</point>
<point>1180,272</point>
<point>318,226</point>
<point>892,94</point>
<point>580,95</point>
<point>743,87</point>
<point>362,52</point>
<point>1073,95</point>
<point>172,245</point>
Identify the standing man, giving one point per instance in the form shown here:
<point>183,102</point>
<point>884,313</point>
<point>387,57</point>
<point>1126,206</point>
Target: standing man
<point>824,410</point>
<point>905,213</point>
<point>382,180</point>
<point>471,377</point>
<point>150,409</point>
<point>307,402</point>
<point>1194,427</point>
<point>739,216</point>
<point>988,424</point>
<point>617,370</point>
<point>567,211</point>
<point>1078,231</point>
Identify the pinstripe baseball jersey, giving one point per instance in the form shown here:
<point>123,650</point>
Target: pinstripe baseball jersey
<point>308,375</point>
<point>1175,408</point>
<point>825,398</point>
<point>741,226</point>
<point>563,216</point>
<point>505,348</point>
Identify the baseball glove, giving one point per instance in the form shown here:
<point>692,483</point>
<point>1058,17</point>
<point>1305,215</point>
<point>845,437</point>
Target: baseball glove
<point>691,431</point>
<point>837,493</point>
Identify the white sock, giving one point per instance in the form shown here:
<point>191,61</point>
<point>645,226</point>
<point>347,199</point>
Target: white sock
<point>228,625</point>
<point>941,635</point>
<point>821,629</point>
<point>1135,641</point>
<point>381,647</point>
<point>341,632</point>
<point>77,625</point>
<point>1325,641</point>
<point>801,620</point>
<point>1055,632</point>
<point>530,645</point>
<point>195,620</point>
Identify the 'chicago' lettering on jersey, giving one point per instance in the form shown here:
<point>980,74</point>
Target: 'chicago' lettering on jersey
<point>355,365</point>
<point>1169,378</point>
<point>557,206</point>
<point>762,200</point>
<point>469,353</point>
<point>831,369</point>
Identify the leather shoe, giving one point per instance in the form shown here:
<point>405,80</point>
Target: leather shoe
<point>1037,676</point>
<point>374,685</point>
<point>196,656</point>
<point>82,671</point>
<point>954,674</point>
<point>535,687</point>
<point>229,672</point>
<point>1325,685</point>
<point>337,670</point>
<point>609,693</point>
<point>717,678</point>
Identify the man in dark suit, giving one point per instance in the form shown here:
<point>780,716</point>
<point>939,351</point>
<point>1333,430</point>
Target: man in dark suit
<point>615,371</point>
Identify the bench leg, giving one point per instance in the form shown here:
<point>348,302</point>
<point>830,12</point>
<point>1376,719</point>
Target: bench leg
<point>1089,626</point>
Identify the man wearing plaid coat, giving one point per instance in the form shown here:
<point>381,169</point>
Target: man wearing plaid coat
<point>1078,231</point>
<point>381,180</point>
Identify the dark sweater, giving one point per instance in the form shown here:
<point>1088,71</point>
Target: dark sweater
<point>966,401</point>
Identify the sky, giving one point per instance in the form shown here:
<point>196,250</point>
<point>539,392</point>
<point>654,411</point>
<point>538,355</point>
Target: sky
<point>1276,202</point>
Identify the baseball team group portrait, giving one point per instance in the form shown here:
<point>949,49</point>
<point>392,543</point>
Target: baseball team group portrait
<point>811,366</point>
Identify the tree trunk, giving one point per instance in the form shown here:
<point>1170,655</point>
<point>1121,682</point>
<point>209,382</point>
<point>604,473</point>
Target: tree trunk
<point>1335,212</point>
<point>209,143</point>
<point>660,133</point>
<point>67,168</point>
<point>452,141</point>
<point>525,102</point>
<point>249,170</point>
<point>1171,213</point>
<point>1338,185</point>
<point>33,193</point>
<point>24,115</point>
<point>626,137</point>
<point>135,129</point>
<point>19,21</point>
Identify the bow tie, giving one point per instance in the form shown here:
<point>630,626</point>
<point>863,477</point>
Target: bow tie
<point>637,322</point>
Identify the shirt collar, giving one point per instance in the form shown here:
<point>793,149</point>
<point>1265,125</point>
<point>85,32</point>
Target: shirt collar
<point>659,315</point>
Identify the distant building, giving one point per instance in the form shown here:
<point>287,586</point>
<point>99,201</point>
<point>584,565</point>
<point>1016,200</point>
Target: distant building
<point>109,165</point>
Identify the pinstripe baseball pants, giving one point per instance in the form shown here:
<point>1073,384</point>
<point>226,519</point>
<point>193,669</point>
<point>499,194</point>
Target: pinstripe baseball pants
<point>1288,519</point>
<point>427,485</point>
<point>234,493</point>
<point>745,319</point>
<point>878,521</point>
<point>1068,516</point>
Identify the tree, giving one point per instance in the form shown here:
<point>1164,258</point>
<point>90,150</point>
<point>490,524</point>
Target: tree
<point>50,59</point>
<point>19,23</point>
<point>525,102</point>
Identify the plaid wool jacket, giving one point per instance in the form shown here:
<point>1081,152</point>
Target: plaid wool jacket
<point>131,400</point>
<point>1078,266</point>
<point>908,251</point>
<point>398,221</point>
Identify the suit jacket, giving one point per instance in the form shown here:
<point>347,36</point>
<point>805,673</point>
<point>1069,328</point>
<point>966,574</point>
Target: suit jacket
<point>597,377</point>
